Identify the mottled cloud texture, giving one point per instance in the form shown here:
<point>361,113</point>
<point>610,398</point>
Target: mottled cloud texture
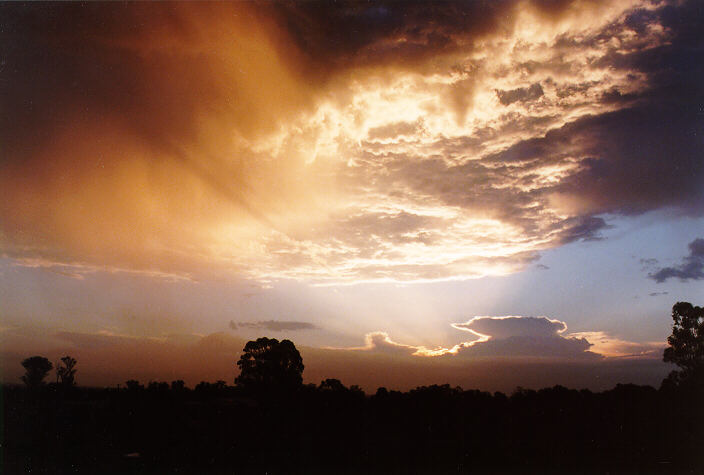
<point>341,142</point>
<point>691,268</point>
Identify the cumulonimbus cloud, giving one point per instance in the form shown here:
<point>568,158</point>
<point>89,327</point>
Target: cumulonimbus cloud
<point>345,142</point>
<point>516,337</point>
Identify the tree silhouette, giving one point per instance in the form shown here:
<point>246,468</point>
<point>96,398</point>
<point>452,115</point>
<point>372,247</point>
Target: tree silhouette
<point>134,385</point>
<point>66,373</point>
<point>269,364</point>
<point>37,367</point>
<point>686,348</point>
<point>334,385</point>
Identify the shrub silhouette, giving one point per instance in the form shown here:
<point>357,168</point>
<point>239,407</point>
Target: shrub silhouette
<point>134,385</point>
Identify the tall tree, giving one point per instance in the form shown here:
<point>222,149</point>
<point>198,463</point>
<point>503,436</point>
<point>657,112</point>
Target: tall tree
<point>66,371</point>
<point>686,348</point>
<point>36,367</point>
<point>269,364</point>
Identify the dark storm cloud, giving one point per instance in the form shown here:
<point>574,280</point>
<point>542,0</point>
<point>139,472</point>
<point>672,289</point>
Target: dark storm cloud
<point>640,159</point>
<point>522,94</point>
<point>273,325</point>
<point>342,34</point>
<point>691,268</point>
<point>647,155</point>
<point>586,228</point>
<point>68,58</point>
<point>652,155</point>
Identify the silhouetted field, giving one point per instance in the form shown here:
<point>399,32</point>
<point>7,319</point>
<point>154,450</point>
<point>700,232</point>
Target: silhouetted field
<point>333,429</point>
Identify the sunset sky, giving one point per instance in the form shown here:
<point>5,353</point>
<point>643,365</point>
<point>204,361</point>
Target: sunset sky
<point>489,194</point>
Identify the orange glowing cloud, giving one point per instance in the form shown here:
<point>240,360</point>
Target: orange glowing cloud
<point>181,140</point>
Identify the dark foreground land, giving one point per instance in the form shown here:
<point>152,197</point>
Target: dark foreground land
<point>334,429</point>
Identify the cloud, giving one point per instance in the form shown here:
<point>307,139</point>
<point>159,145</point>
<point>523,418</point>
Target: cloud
<point>341,142</point>
<point>585,228</point>
<point>517,337</point>
<point>126,151</point>
<point>510,337</point>
<point>380,342</point>
<point>610,346</point>
<point>507,327</point>
<point>692,267</point>
<point>273,325</point>
<point>648,263</point>
<point>655,294</point>
<point>522,94</point>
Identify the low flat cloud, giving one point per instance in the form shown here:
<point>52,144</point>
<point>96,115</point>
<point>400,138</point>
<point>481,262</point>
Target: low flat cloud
<point>106,358</point>
<point>273,325</point>
<point>613,347</point>
<point>506,327</point>
<point>381,342</point>
<point>691,268</point>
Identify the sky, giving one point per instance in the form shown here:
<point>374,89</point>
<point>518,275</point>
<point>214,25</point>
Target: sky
<point>488,194</point>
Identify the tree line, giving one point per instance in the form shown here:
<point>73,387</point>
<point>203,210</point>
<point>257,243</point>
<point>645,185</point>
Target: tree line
<point>269,421</point>
<point>267,364</point>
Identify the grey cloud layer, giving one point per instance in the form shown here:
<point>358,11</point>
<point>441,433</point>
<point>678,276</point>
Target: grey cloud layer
<point>692,267</point>
<point>273,325</point>
<point>522,94</point>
